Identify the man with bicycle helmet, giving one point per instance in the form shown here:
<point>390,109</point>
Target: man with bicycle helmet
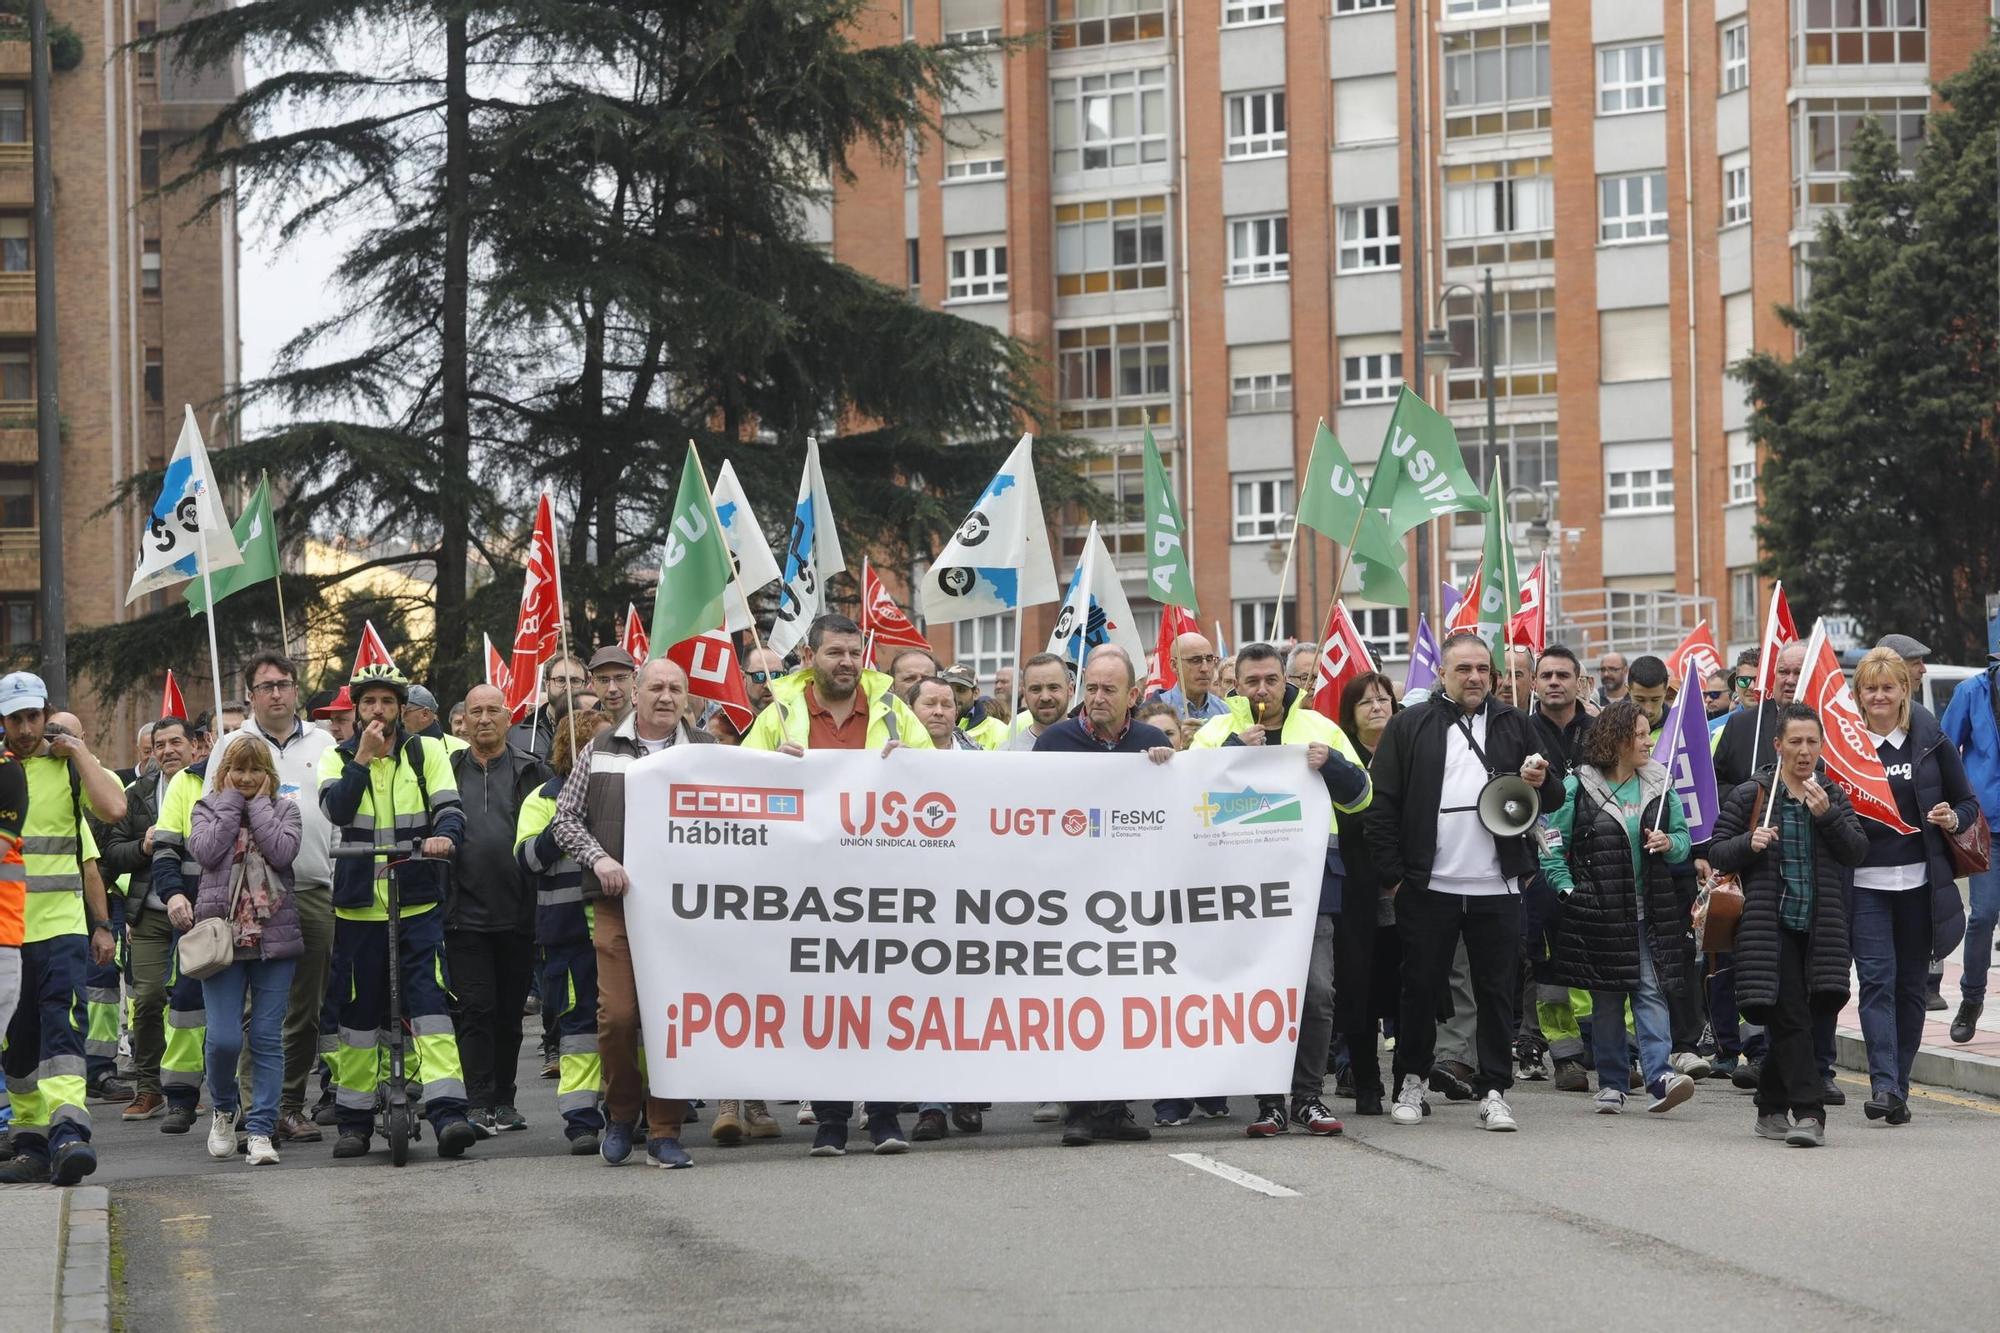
<point>385,786</point>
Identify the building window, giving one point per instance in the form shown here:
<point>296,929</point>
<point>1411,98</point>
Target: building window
<point>1631,78</point>
<point>1488,206</point>
<point>913,265</point>
<point>1735,57</point>
<point>1742,467</point>
<point>1803,256</point>
<point>1639,491</point>
<point>1121,475</point>
<point>1459,9</point>
<point>1524,334</point>
<point>1865,32</point>
<point>1115,375</point>
<point>1370,237</point>
<point>1735,189</point>
<point>13,115</point>
<point>978,273</point>
<point>1372,377</point>
<point>1525,451</point>
<point>1260,249</point>
<point>1385,629</point>
<point>144,61</point>
<point>1238,13</point>
<point>155,377</point>
<point>1256,622</point>
<point>1074,23</point>
<point>1361,6</point>
<point>17,498</point>
<point>1823,141</point>
<point>17,377</point>
<point>1256,124</point>
<point>1109,120</point>
<point>1743,625</point>
<point>1114,245</point>
<point>17,622</point>
<point>913,153</point>
<point>1263,508</point>
<point>1496,80</point>
<point>1260,378</point>
<point>984,643</point>
<point>149,160</point>
<point>975,146</point>
<point>1632,208</point>
<point>16,255</point>
<point>973,37</point>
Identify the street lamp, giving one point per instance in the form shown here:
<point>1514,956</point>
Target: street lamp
<point>1437,346</point>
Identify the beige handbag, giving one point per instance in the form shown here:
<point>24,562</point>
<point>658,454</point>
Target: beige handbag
<point>209,945</point>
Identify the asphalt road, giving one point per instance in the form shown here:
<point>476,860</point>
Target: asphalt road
<point>1576,1221</point>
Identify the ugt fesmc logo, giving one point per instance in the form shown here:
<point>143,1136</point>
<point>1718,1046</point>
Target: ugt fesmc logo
<point>871,819</point>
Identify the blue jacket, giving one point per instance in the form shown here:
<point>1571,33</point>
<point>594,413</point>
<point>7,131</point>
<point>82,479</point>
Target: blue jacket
<point>1968,723</point>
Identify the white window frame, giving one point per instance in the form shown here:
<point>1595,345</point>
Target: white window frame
<point>1255,618</point>
<point>1261,391</point>
<point>1386,628</point>
<point>991,167</point>
<point>1371,377</point>
<point>973,37</point>
<point>1106,225</point>
<point>1647,220</point>
<point>1252,515</point>
<point>1742,456</point>
<point>1363,252</point>
<point>1147,144</point>
<point>1132,360</point>
<point>1744,594</point>
<point>1360,6</point>
<point>976,273</point>
<point>1260,248</point>
<point>1734,41</point>
<point>1243,113</point>
<point>1631,77</point>
<point>1250,13</point>
<point>984,643</point>
<point>1630,491</point>
<point>1465,9</point>
<point>1735,189</point>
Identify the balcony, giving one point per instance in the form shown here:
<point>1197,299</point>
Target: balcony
<point>14,53</point>
<point>20,557</point>
<point>17,171</point>
<point>17,304</point>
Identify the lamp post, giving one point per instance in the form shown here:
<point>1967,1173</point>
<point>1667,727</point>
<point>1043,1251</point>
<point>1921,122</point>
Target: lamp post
<point>1437,347</point>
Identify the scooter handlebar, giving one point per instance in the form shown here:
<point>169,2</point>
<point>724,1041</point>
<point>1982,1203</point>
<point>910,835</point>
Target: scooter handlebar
<point>368,851</point>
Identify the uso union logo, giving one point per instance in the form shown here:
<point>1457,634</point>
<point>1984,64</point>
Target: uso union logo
<point>875,818</point>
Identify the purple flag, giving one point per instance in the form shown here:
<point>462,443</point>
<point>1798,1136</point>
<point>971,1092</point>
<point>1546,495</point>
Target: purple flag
<point>1423,672</point>
<point>1683,748</point>
<point>1448,600</point>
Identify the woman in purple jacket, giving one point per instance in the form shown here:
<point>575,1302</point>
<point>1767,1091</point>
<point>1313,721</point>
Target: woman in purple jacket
<point>244,822</point>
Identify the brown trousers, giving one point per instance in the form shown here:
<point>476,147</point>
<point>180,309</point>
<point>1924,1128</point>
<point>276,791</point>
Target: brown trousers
<point>618,1031</point>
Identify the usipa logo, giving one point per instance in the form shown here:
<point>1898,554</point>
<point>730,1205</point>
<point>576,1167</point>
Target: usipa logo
<point>895,814</point>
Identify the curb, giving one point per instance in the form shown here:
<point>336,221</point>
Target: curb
<point>83,1295</point>
<point>1938,1066</point>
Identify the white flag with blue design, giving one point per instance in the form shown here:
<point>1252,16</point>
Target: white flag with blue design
<point>749,549</point>
<point>999,558</point>
<point>186,527</point>
<point>812,556</point>
<point>1095,611</point>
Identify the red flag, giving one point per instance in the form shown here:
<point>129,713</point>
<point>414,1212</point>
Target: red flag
<point>1465,616</point>
<point>881,617</point>
<point>171,703</point>
<point>1849,754</point>
<point>710,662</point>
<point>633,638</point>
<point>538,632</point>
<point>497,674</point>
<point>1779,630</point>
<point>1530,624</point>
<point>1698,654</point>
<point>372,652</point>
<point>1174,622</point>
<point>1342,657</point>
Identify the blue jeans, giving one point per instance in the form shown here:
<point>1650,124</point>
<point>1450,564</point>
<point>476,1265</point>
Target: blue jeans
<point>270,986</point>
<point>1979,923</point>
<point>1649,1015</point>
<point>1892,954</point>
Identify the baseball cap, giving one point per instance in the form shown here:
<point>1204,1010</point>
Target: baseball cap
<point>341,702</point>
<point>958,674</point>
<point>611,655</point>
<point>423,698</point>
<point>1903,646</point>
<point>21,690</point>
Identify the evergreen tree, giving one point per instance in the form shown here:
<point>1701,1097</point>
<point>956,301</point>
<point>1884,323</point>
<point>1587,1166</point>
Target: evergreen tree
<point>1880,492</point>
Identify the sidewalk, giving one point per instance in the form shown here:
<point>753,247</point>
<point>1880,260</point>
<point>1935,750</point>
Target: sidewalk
<point>1941,1063</point>
<point>55,1270</point>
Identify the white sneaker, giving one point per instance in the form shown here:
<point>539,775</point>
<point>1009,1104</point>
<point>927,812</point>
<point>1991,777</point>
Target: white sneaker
<point>806,1116</point>
<point>1495,1115</point>
<point>1047,1113</point>
<point>1672,1091</point>
<point>1610,1101</point>
<point>1691,1064</point>
<point>222,1135</point>
<point>261,1151</point>
<point>1409,1108</point>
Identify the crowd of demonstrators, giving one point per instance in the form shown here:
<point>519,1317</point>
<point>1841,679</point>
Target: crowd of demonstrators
<point>1486,958</point>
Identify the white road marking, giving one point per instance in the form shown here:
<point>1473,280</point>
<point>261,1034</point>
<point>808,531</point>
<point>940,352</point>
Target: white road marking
<point>1234,1175</point>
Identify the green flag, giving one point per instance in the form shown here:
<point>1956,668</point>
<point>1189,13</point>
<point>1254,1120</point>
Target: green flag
<point>1421,473</point>
<point>1499,582</point>
<point>695,570</point>
<point>1332,505</point>
<point>1167,575</point>
<point>257,539</point>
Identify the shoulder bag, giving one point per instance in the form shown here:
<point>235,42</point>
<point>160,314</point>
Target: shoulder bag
<point>209,945</point>
<point>1971,847</point>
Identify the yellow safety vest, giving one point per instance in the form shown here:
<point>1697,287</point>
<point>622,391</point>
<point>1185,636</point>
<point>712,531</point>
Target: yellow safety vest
<point>53,840</point>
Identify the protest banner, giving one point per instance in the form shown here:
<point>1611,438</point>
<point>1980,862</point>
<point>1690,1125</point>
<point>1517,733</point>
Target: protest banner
<point>926,926</point>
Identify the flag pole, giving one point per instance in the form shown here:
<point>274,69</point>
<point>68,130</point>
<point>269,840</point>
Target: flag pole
<point>278,549</point>
<point>1679,724</point>
<point>1340,561</point>
<point>208,594</point>
<point>562,633</point>
<point>1014,690</point>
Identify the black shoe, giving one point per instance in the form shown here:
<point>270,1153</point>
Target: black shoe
<point>1967,1022</point>
<point>1830,1093</point>
<point>1368,1101</point>
<point>456,1136</point>
<point>1270,1121</point>
<point>351,1145</point>
<point>968,1119</point>
<point>1746,1074</point>
<point>1877,1107</point>
<point>179,1120</point>
<point>1446,1079</point>
<point>28,1169</point>
<point>1343,1082</point>
<point>1120,1127</point>
<point>930,1127</point>
<point>1077,1132</point>
<point>1899,1111</point>
<point>1571,1076</point>
<point>1934,1001</point>
<point>108,1089</point>
<point>73,1161</point>
<point>324,1112</point>
<point>583,1145</point>
<point>507,1118</point>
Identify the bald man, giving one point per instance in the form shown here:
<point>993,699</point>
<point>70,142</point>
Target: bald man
<point>1194,698</point>
<point>489,924</point>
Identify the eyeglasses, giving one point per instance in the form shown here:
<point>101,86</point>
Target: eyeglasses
<point>761,677</point>
<point>273,686</point>
<point>569,682</point>
<point>1200,659</point>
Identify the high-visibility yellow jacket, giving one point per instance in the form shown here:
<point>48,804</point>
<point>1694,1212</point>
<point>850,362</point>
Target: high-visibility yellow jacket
<point>785,718</point>
<point>55,840</point>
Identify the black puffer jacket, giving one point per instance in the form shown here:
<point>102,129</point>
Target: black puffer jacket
<point>1839,844</point>
<point>1597,937</point>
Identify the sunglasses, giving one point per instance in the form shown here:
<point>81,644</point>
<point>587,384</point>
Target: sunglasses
<point>762,677</point>
<point>1743,682</point>
<point>1712,694</point>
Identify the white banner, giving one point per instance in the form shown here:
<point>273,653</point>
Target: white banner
<point>945,926</point>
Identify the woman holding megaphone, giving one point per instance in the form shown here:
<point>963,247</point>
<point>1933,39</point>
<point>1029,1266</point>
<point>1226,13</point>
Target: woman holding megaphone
<point>1605,852</point>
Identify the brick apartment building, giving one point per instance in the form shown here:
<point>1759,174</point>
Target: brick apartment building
<point>146,304</point>
<point>1200,214</point>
